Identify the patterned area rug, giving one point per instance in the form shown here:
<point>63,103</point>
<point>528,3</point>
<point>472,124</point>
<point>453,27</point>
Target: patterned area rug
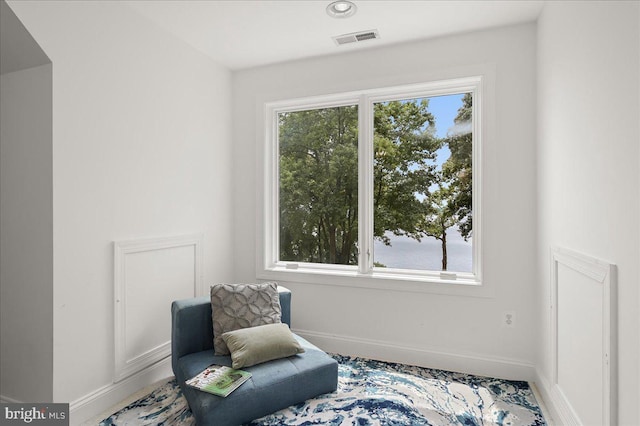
<point>372,393</point>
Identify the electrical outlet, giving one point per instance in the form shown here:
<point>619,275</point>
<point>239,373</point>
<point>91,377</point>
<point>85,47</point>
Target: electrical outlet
<point>509,319</point>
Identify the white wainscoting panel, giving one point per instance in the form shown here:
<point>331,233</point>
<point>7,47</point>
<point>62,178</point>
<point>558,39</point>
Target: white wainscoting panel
<point>582,338</point>
<point>149,275</point>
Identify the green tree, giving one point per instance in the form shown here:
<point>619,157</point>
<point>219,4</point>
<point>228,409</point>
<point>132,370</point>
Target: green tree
<point>404,153</point>
<point>319,185</point>
<point>439,216</point>
<point>457,170</point>
<point>318,163</point>
<point>319,179</point>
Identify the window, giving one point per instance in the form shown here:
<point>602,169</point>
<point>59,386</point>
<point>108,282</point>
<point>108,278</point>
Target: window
<point>381,183</point>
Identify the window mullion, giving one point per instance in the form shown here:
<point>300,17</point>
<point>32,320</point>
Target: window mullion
<point>365,184</point>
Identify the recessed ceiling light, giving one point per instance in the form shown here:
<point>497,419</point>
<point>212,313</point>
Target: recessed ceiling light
<point>341,9</point>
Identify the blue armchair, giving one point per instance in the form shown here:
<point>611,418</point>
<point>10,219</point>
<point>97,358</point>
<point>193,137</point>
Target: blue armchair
<point>274,385</point>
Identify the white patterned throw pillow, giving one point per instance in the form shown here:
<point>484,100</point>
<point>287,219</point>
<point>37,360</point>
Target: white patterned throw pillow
<point>236,306</point>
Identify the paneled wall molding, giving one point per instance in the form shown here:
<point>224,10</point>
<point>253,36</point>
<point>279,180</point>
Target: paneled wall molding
<point>582,306</point>
<point>148,275</point>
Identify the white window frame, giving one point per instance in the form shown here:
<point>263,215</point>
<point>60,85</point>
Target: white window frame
<point>269,265</point>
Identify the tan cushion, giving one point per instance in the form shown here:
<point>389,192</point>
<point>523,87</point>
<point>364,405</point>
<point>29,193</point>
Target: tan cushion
<point>255,345</point>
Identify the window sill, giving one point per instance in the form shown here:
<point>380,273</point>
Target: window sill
<point>466,286</point>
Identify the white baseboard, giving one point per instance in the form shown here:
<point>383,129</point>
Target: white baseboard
<point>94,403</point>
<point>544,400</point>
<point>477,364</point>
<point>559,410</point>
<point>7,400</point>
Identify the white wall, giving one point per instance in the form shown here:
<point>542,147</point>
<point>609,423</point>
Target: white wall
<point>588,161</point>
<point>141,148</point>
<point>26,235</point>
<point>446,331</point>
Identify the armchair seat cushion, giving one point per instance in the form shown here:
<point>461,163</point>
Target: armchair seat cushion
<point>273,385</point>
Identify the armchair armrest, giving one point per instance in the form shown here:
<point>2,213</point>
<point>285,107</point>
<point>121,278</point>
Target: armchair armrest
<point>191,327</point>
<point>285,304</point>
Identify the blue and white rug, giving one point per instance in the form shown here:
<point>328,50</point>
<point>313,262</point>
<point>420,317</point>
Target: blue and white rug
<point>372,393</point>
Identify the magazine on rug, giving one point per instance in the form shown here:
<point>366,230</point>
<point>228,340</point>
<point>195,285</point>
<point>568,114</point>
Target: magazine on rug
<point>219,380</point>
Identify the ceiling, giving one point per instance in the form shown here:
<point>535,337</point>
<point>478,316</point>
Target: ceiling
<point>247,33</point>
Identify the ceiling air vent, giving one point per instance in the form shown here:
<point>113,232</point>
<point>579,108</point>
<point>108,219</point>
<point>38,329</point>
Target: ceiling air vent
<point>356,37</point>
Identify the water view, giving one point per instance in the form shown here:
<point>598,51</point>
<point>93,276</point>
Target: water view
<point>407,253</point>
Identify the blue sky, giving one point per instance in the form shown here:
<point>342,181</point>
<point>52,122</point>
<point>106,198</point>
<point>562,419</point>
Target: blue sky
<point>444,109</point>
